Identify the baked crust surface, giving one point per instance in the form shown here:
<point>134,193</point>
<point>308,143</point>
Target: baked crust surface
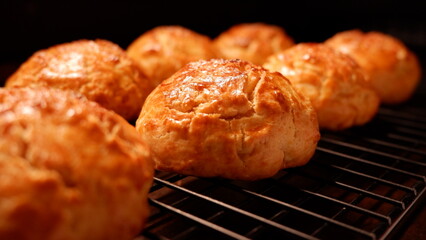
<point>252,42</point>
<point>333,82</point>
<point>98,69</point>
<point>69,169</point>
<point>163,50</point>
<point>393,70</point>
<point>228,118</point>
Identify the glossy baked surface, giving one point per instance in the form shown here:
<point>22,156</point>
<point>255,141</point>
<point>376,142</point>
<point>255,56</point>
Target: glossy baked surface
<point>252,42</point>
<point>332,81</point>
<point>99,69</point>
<point>392,68</point>
<point>228,118</point>
<point>163,50</point>
<point>69,169</point>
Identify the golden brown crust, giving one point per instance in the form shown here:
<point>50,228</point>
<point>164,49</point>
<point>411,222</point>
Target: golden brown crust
<point>252,42</point>
<point>98,69</point>
<point>392,68</point>
<point>228,118</point>
<point>163,50</point>
<point>333,82</point>
<point>69,169</point>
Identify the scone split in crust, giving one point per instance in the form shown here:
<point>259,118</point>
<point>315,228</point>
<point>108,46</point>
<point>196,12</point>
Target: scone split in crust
<point>230,119</point>
<point>69,169</point>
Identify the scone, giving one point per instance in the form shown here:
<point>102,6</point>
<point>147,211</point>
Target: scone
<point>252,42</point>
<point>163,50</point>
<point>333,82</point>
<point>391,67</point>
<point>229,119</point>
<point>69,169</point>
<point>98,69</point>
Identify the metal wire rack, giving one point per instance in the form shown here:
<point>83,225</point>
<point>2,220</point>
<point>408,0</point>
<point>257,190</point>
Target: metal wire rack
<point>362,183</point>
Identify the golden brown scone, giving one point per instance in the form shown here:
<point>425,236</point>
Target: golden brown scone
<point>98,69</point>
<point>392,68</point>
<point>333,82</point>
<point>69,169</point>
<point>252,42</point>
<point>163,50</point>
<point>230,119</point>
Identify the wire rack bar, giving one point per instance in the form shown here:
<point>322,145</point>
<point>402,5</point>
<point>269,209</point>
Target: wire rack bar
<point>321,196</point>
<point>420,197</point>
<point>406,139</point>
<point>403,122</point>
<point>418,133</point>
<point>359,190</point>
<point>329,151</point>
<point>370,150</point>
<point>403,134</point>
<point>382,217</point>
<point>371,194</point>
<point>197,219</point>
<point>310,213</point>
<point>397,146</point>
<point>385,141</point>
<point>326,219</point>
<point>400,114</point>
<point>383,181</point>
<point>235,209</point>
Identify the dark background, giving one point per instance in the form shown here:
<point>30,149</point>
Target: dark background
<point>27,26</point>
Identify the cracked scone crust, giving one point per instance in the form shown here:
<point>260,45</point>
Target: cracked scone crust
<point>393,70</point>
<point>228,118</point>
<point>98,69</point>
<point>69,169</point>
<point>252,42</point>
<point>163,50</point>
<point>333,82</point>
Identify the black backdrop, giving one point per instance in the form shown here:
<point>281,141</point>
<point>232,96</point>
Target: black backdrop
<point>27,26</point>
